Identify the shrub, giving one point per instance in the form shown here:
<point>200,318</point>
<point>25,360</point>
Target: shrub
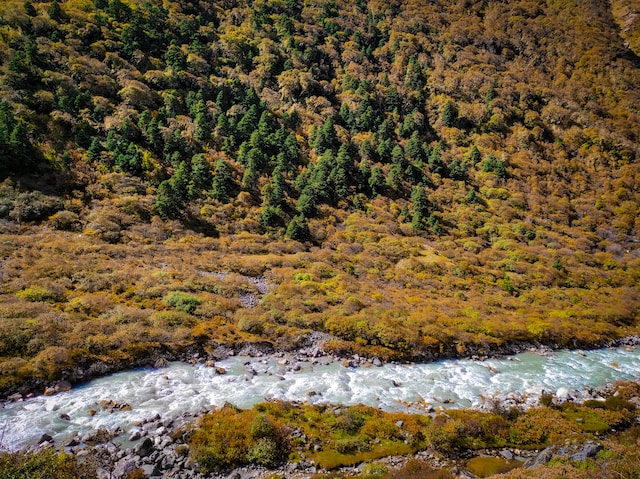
<point>44,463</point>
<point>182,301</point>
<point>36,294</point>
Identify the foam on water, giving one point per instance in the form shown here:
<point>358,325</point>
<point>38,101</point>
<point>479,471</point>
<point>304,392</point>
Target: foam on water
<point>182,388</point>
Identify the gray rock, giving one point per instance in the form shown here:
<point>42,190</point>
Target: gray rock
<point>377,363</point>
<point>588,450</point>
<point>508,455</point>
<point>160,363</point>
<point>62,386</point>
<point>145,448</point>
<point>541,458</point>
<point>14,397</point>
<point>45,438</point>
<point>135,435</point>
<point>124,467</point>
<point>149,470</point>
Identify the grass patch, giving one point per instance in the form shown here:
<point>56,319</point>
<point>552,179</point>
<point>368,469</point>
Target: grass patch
<point>488,466</point>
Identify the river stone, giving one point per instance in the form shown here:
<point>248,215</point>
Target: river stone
<point>62,386</point>
<point>377,363</point>
<point>508,455</point>
<point>145,447</point>
<point>124,468</point>
<point>160,363</point>
<point>135,435</point>
<point>45,438</point>
<point>149,470</point>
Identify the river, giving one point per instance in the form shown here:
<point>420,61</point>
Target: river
<point>181,387</point>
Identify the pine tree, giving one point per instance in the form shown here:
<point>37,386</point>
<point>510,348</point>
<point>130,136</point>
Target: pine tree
<point>449,114</point>
<point>326,138</point>
<point>377,181</point>
<point>298,229</point>
<point>419,208</point>
<point>167,204</point>
<point>201,177</point>
<point>29,9</point>
<point>93,152</point>
<point>223,184</point>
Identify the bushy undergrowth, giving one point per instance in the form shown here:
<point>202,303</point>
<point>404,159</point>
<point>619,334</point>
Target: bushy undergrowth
<point>45,464</point>
<point>335,436</point>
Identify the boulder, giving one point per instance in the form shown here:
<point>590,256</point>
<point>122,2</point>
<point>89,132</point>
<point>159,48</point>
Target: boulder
<point>124,467</point>
<point>145,448</point>
<point>508,455</point>
<point>588,450</point>
<point>45,438</point>
<point>541,458</point>
<point>62,386</point>
<point>160,363</point>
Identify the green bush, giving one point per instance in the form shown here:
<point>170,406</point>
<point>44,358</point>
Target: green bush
<point>182,301</point>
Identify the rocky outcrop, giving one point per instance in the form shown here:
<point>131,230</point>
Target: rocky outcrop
<point>576,453</point>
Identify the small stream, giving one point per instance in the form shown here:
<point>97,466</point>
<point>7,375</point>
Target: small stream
<point>179,388</point>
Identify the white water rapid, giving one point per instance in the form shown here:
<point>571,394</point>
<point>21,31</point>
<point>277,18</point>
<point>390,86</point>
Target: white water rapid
<point>179,388</point>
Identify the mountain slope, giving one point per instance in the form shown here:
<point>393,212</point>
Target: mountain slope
<point>414,179</point>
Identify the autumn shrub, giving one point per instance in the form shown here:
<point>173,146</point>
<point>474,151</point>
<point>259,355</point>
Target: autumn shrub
<point>46,463</point>
<point>37,294</point>
<point>229,437</point>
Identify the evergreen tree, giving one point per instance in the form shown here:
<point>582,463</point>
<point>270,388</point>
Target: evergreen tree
<point>248,122</point>
<point>394,178</point>
<point>326,138</point>
<point>174,57</point>
<point>251,174</point>
<point>180,182</point>
<point>201,177</point>
<point>167,205</point>
<point>413,150</point>
<point>203,128</point>
<point>419,208</point>
<point>474,155</point>
<point>377,181</point>
<point>306,203</point>
<point>29,9</point>
<point>491,164</point>
<point>449,114</point>
<point>278,188</point>
<point>435,161</point>
<point>223,184</point>
<point>298,229</point>
<point>93,152</point>
<point>55,10</point>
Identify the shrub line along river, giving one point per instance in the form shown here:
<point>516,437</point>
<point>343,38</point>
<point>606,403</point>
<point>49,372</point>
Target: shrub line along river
<point>180,388</point>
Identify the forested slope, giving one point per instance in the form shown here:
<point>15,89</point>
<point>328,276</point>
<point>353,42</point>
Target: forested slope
<point>414,178</point>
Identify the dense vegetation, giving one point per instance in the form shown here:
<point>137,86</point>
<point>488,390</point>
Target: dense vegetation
<point>334,437</point>
<point>414,178</point>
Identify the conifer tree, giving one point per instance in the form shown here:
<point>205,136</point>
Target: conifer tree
<point>298,229</point>
<point>223,183</point>
<point>201,177</point>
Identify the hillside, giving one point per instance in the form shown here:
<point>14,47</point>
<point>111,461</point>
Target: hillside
<point>414,179</point>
